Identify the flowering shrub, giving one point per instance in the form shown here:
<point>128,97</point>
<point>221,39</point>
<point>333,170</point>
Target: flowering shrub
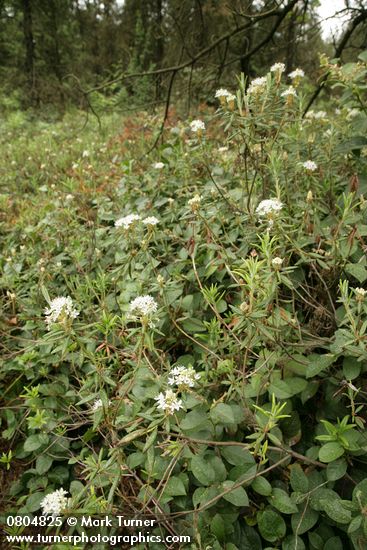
<point>206,360</point>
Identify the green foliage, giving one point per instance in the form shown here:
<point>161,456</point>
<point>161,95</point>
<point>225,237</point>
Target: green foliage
<point>206,357</point>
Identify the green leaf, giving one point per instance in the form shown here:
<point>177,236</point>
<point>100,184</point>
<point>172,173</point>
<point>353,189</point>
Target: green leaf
<point>319,363</point>
<point>193,420</point>
<point>334,543</point>
<point>193,325</point>
<point>298,479</point>
<point>222,414</point>
<point>336,511</point>
<point>33,502</point>
<point>351,368</point>
<point>336,469</point>
<point>202,470</point>
<point>43,464</point>
<point>174,487</point>
<point>238,496</point>
<point>261,486</point>
<point>271,525</point>
<point>292,542</point>
<point>304,521</point>
<point>360,493</point>
<point>315,541</point>
<point>34,442</point>
<point>282,502</point>
<point>331,451</point>
<point>357,271</point>
<point>236,455</point>
<point>217,527</point>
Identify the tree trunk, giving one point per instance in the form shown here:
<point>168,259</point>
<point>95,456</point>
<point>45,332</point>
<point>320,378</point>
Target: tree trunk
<point>29,48</point>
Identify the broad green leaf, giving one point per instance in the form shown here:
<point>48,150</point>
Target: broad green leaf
<point>330,451</point>
<point>304,521</point>
<point>282,502</point>
<point>238,496</point>
<point>202,470</point>
<point>334,543</point>
<point>34,442</point>
<point>261,486</point>
<point>43,463</point>
<point>237,455</point>
<point>336,511</point>
<point>271,525</point>
<point>298,479</point>
<point>292,542</point>
<point>174,487</point>
<point>351,368</point>
<point>336,469</point>
<point>217,527</point>
<point>222,414</point>
<point>319,363</point>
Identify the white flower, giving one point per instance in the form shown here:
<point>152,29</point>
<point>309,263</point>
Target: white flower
<point>320,114</point>
<point>310,165</point>
<point>143,306</point>
<point>269,207</point>
<point>230,97</point>
<point>360,294</point>
<point>277,68</point>
<point>316,115</point>
<point>197,126</point>
<point>98,404</point>
<point>158,165</point>
<point>222,92</point>
<point>257,85</point>
<point>126,221</point>
<point>168,402</point>
<point>277,263</point>
<point>151,220</point>
<point>223,149</point>
<point>69,196</point>
<point>85,154</point>
<point>183,376</point>
<point>60,310</point>
<point>54,503</point>
<point>297,73</point>
<point>289,92</point>
<point>194,203</point>
<point>352,113</point>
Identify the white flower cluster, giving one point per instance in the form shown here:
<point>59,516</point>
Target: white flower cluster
<point>269,207</point>
<point>360,293</point>
<point>310,165</point>
<point>54,503</point>
<point>277,68</point>
<point>129,220</point>
<point>297,73</point>
<point>183,377</point>
<point>257,86</point>
<point>289,92</point>
<point>222,92</point>
<point>194,203</point>
<point>316,115</point>
<point>197,125</point>
<point>168,402</point>
<point>59,310</point>
<point>143,306</point>
<point>150,220</point>
<point>277,263</point>
<point>158,165</point>
<point>126,221</point>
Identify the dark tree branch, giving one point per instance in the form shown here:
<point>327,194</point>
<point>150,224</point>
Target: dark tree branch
<point>338,51</point>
